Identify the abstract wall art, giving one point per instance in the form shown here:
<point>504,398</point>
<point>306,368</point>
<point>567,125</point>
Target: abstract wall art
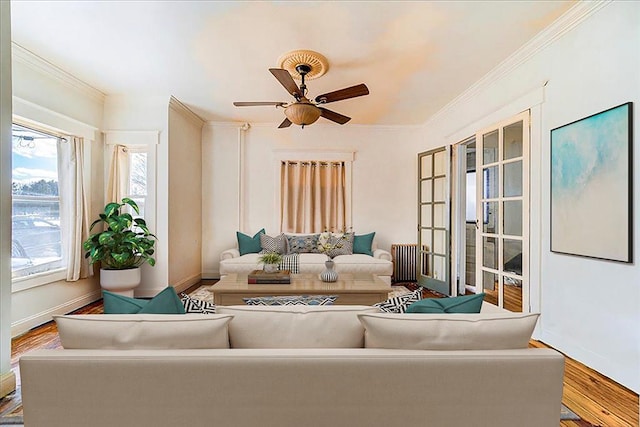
<point>591,186</point>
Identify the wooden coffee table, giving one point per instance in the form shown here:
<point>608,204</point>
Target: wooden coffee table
<point>357,288</point>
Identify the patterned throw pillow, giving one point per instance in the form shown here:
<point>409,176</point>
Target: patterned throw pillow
<point>307,244</point>
<point>273,244</point>
<point>292,300</point>
<point>192,305</point>
<point>400,303</point>
<point>343,244</point>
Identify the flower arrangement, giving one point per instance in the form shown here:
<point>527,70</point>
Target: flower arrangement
<point>328,242</point>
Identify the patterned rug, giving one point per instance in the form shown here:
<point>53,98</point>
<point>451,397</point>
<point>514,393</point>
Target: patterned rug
<point>11,409</point>
<point>205,294</point>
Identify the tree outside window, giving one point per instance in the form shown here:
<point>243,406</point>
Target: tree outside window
<point>36,241</point>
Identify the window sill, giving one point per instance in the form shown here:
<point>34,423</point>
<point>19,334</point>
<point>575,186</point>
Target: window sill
<point>36,280</point>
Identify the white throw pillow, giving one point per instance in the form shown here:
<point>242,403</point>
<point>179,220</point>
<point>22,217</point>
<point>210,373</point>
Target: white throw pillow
<point>490,331</point>
<point>143,331</point>
<point>296,326</point>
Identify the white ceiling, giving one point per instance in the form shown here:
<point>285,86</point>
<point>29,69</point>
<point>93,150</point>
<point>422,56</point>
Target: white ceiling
<point>415,57</point>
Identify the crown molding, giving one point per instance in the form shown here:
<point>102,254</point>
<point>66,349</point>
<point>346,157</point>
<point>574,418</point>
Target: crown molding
<point>565,23</point>
<point>186,112</point>
<point>36,63</point>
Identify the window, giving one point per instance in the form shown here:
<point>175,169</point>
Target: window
<point>36,240</point>
<point>138,178</point>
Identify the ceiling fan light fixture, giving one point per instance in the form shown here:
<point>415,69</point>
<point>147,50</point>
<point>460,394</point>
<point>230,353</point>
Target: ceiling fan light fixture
<point>317,63</point>
<point>302,113</point>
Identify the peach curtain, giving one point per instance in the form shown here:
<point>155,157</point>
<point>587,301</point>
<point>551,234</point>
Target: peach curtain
<point>118,185</point>
<point>313,197</point>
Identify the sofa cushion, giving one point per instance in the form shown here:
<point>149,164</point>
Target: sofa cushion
<point>300,244</point>
<point>491,331</point>
<point>363,244</point>
<point>192,305</point>
<point>460,304</point>
<point>143,331</point>
<point>360,263</point>
<point>165,302</point>
<point>399,303</point>
<point>276,244</point>
<point>247,244</point>
<point>292,300</point>
<point>296,326</point>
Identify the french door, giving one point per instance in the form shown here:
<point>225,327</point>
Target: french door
<point>433,254</point>
<point>502,213</point>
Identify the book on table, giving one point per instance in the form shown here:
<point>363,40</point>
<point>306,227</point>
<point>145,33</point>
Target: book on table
<point>276,277</point>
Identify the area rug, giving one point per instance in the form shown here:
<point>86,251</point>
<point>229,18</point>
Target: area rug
<point>11,409</point>
<point>567,414</point>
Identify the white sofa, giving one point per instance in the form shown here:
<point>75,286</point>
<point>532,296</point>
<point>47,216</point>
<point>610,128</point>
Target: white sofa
<point>231,262</point>
<point>289,367</point>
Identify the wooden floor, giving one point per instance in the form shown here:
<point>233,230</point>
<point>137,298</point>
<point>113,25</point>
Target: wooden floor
<point>598,400</point>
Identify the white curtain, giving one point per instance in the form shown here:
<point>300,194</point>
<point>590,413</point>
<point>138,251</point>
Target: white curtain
<point>313,195</point>
<point>118,186</point>
<point>74,212</point>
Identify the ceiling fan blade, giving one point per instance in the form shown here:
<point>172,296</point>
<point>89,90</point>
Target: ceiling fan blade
<point>287,81</point>
<point>346,93</point>
<point>333,116</point>
<point>285,124</point>
<point>253,104</point>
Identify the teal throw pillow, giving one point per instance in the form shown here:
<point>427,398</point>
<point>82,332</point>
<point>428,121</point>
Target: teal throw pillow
<point>362,244</point>
<point>247,244</point>
<point>461,304</point>
<point>120,304</point>
<point>165,302</point>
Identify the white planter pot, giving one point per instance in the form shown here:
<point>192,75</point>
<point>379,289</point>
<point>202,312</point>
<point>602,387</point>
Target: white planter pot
<point>121,282</point>
<point>270,268</point>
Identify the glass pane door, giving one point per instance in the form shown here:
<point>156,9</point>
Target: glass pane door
<point>502,213</point>
<point>433,220</point>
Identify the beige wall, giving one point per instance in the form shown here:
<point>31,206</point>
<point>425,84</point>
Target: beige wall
<point>172,134</point>
<point>47,97</point>
<point>144,121</point>
<point>384,180</point>
<point>185,196</point>
<point>589,62</point>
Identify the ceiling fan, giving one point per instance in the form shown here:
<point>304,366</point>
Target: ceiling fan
<point>305,111</point>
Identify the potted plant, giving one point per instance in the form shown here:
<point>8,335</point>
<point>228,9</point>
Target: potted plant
<point>271,261</point>
<point>121,248</point>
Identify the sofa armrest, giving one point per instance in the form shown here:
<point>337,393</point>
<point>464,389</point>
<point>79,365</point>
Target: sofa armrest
<point>382,254</point>
<point>229,254</point>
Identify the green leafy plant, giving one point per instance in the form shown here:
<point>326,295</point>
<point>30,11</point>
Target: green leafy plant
<point>270,258</point>
<point>126,242</point>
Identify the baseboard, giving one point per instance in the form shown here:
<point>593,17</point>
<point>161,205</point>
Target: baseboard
<point>7,383</point>
<point>211,274</point>
<point>28,323</point>
<point>185,284</point>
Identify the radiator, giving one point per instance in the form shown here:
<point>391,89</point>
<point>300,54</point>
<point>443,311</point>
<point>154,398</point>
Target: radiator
<point>404,259</point>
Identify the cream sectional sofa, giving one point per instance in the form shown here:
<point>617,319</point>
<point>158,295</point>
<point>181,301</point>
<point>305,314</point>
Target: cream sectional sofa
<point>379,263</point>
<point>293,366</point>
